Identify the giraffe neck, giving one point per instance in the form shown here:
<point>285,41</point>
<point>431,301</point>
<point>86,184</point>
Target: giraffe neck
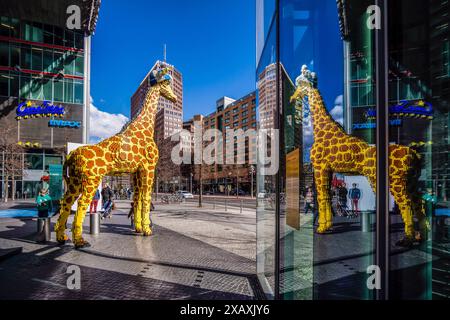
<point>146,117</point>
<point>320,115</point>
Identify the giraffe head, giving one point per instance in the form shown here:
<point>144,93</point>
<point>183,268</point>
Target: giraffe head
<point>305,82</point>
<point>163,81</point>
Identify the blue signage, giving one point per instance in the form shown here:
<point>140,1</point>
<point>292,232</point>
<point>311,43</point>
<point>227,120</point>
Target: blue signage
<point>64,124</point>
<point>407,108</point>
<point>27,110</point>
<point>373,125</point>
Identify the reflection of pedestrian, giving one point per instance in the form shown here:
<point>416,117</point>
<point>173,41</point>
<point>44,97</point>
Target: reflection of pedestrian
<point>342,196</point>
<point>94,202</point>
<point>309,200</point>
<point>355,195</point>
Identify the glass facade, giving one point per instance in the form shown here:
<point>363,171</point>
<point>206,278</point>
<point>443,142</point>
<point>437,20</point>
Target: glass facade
<point>319,220</point>
<point>40,62</point>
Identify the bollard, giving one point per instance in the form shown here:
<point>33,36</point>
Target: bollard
<point>241,204</point>
<point>43,229</point>
<point>95,223</point>
<point>365,221</point>
<point>226,208</point>
<point>132,222</point>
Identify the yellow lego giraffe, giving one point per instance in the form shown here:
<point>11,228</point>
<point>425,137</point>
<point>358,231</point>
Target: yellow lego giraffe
<point>334,150</point>
<point>133,151</point>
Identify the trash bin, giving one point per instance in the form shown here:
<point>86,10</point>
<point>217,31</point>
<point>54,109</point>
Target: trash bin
<point>365,221</point>
<point>95,223</point>
<point>43,230</point>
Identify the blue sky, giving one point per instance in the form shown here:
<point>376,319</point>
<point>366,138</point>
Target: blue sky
<point>211,42</point>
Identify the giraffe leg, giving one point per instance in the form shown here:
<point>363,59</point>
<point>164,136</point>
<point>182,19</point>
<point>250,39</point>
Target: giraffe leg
<point>88,191</point>
<point>137,205</point>
<point>71,194</point>
<point>403,200</point>
<point>146,194</point>
<point>322,182</point>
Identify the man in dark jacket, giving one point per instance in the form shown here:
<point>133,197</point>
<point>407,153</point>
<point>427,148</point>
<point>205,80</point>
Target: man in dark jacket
<point>107,195</point>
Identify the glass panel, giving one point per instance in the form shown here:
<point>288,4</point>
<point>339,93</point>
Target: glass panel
<point>4,54</point>
<point>58,94</point>
<point>36,59</point>
<point>79,40</point>
<point>266,181</point>
<point>34,161</point>
<point>15,31</point>
<point>59,36</point>
<point>15,56</point>
<point>78,90</point>
<point>27,31</point>
<point>48,34</point>
<point>419,151</point>
<point>25,59</point>
<point>327,204</point>
<point>4,27</point>
<point>14,85</point>
<point>47,88</point>
<point>79,66</point>
<point>37,32</point>
<point>69,64</point>
<point>47,65</point>
<point>36,88</point>
<point>68,38</point>
<point>68,90</point>
<point>25,86</point>
<point>4,84</point>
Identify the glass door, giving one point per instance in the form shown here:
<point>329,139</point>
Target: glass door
<point>327,150</point>
<point>419,149</point>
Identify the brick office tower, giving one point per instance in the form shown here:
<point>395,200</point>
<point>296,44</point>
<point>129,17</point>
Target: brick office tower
<point>169,118</point>
<point>232,114</point>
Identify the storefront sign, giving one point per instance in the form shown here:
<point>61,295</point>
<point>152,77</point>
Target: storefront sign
<point>64,124</point>
<point>373,125</point>
<point>407,108</point>
<point>27,110</point>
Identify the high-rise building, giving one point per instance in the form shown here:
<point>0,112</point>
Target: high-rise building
<point>267,97</point>
<point>169,117</point>
<point>44,87</point>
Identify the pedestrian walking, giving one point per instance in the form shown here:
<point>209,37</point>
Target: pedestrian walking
<point>44,202</point>
<point>94,202</point>
<point>107,198</point>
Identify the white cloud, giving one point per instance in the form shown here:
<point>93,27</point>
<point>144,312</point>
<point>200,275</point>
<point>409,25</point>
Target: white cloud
<point>103,124</point>
<point>337,113</point>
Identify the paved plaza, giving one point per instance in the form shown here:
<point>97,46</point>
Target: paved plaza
<point>194,253</point>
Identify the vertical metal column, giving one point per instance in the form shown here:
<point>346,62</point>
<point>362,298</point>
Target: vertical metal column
<point>382,139</point>
<point>87,86</point>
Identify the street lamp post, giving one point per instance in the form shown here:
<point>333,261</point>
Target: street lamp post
<point>191,181</point>
<point>228,188</point>
<point>200,193</point>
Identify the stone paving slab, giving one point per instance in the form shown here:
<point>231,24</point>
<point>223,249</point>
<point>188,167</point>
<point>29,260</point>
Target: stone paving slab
<point>178,261</point>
